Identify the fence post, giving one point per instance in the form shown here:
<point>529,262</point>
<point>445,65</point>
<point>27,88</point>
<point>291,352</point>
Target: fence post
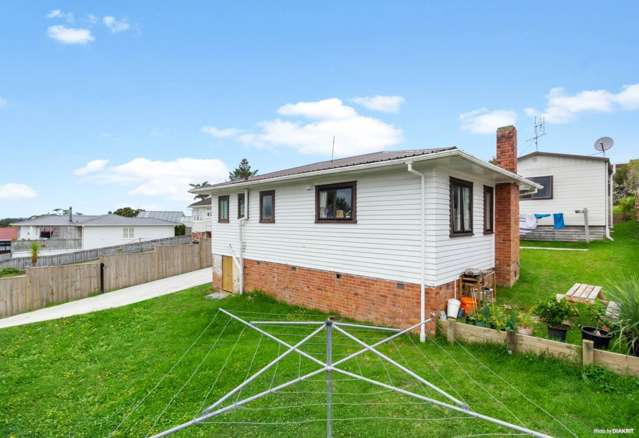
<point>511,341</point>
<point>587,352</point>
<point>450,331</point>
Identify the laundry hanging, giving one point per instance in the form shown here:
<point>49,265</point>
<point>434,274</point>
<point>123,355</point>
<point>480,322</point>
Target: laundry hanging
<point>541,215</point>
<point>527,223</point>
<point>558,219</point>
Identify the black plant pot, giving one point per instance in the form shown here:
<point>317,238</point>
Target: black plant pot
<point>558,333</point>
<point>600,338</point>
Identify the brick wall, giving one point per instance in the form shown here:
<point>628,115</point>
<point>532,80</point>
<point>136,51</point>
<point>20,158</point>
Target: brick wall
<point>507,211</point>
<point>362,298</point>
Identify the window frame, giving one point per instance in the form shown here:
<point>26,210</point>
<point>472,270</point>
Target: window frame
<point>336,186</point>
<point>262,195</point>
<point>463,183</point>
<point>128,232</point>
<point>220,199</point>
<point>243,198</point>
<point>491,229</point>
<point>534,197</point>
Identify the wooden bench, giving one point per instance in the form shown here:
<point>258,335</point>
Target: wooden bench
<point>582,293</point>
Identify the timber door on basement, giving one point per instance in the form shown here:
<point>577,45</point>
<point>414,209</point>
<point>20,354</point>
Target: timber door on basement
<point>227,273</point>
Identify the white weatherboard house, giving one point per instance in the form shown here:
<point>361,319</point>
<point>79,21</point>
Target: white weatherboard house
<point>201,214</point>
<point>381,237</point>
<point>62,234</point>
<point>572,184</point>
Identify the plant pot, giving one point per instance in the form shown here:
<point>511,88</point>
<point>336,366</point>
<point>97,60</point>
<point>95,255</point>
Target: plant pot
<point>558,333</point>
<point>601,338</point>
<point>528,331</point>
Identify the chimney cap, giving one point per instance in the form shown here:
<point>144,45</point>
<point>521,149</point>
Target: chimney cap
<point>506,128</point>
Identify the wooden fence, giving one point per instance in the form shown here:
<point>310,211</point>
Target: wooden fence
<point>93,254</point>
<point>584,354</point>
<point>44,286</point>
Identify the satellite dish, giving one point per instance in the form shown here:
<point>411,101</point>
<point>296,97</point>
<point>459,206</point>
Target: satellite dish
<point>603,144</point>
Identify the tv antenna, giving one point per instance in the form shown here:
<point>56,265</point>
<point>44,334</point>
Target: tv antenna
<point>540,131</point>
<point>333,149</point>
<point>603,144</point>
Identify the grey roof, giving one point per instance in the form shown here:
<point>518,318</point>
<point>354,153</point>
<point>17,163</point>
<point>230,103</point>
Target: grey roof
<point>171,216</point>
<point>338,163</point>
<point>56,220</point>
<point>201,203</point>
<point>115,220</point>
<point>91,220</point>
<point>557,154</point>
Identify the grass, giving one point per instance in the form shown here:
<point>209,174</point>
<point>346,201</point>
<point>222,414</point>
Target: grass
<point>10,272</point>
<point>82,376</point>
<point>547,273</point>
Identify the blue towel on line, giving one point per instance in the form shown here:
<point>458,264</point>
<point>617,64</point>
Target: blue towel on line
<point>558,219</point>
<point>541,215</point>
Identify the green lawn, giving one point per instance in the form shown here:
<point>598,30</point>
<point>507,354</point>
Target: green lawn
<point>83,376</point>
<point>546,273</point>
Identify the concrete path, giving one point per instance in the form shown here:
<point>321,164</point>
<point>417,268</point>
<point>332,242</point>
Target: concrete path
<point>110,300</point>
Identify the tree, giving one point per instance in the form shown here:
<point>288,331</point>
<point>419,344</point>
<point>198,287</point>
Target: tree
<point>199,196</point>
<point>243,171</point>
<point>128,211</point>
<point>35,252</point>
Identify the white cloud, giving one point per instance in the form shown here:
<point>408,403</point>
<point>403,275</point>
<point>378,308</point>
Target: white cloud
<point>162,179</point>
<point>386,104</point>
<point>57,13</point>
<point>485,121</point>
<point>3,102</point>
<point>354,133</point>
<point>70,35</point>
<point>628,98</point>
<point>563,108</point>
<point>221,132</point>
<point>16,192</point>
<point>91,167</point>
<point>116,25</point>
<point>327,109</point>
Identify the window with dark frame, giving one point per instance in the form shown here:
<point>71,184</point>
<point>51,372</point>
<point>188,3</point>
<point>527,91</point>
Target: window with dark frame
<point>544,193</point>
<point>267,207</point>
<point>223,209</point>
<point>489,210</point>
<point>336,203</point>
<point>241,206</point>
<point>461,208</point>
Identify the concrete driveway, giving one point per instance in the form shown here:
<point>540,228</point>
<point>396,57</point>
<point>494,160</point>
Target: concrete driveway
<point>110,300</point>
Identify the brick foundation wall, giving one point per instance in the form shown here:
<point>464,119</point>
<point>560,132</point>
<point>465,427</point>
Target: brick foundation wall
<point>376,300</point>
<point>507,211</point>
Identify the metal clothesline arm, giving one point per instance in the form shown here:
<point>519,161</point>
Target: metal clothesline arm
<point>236,405</point>
<point>270,336</point>
<point>288,322</point>
<point>262,371</point>
<point>401,367</point>
<point>467,411</point>
<point>378,343</point>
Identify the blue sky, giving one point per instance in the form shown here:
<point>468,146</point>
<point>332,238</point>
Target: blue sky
<point>108,104</point>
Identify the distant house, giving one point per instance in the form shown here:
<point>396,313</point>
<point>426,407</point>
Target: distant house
<point>201,217</point>
<point>382,237</point>
<point>7,235</point>
<point>60,234</point>
<point>171,216</point>
<point>573,185</point>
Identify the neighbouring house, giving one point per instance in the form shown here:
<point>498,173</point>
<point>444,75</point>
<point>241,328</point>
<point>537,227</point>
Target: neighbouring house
<point>201,217</point>
<point>58,234</point>
<point>580,187</point>
<point>381,237</point>
<point>7,235</point>
<point>178,217</point>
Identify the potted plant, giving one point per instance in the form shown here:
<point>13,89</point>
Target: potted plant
<point>35,252</point>
<point>590,318</point>
<point>555,314</point>
<point>625,324</point>
<point>525,322</point>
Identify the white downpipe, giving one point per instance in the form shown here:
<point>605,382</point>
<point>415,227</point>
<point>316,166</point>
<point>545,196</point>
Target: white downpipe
<point>611,194</point>
<point>422,286</point>
<point>242,222</point>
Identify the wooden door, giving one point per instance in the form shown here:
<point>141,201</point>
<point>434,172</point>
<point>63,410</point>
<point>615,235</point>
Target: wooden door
<point>227,273</point>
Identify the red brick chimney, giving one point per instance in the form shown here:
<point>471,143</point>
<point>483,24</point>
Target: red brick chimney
<point>507,211</point>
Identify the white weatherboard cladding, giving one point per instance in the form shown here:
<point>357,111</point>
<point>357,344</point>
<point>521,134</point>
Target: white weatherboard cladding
<point>577,183</point>
<point>201,219</point>
<point>385,242</point>
<point>99,237</point>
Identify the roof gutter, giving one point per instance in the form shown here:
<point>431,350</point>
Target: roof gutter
<point>376,165</point>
